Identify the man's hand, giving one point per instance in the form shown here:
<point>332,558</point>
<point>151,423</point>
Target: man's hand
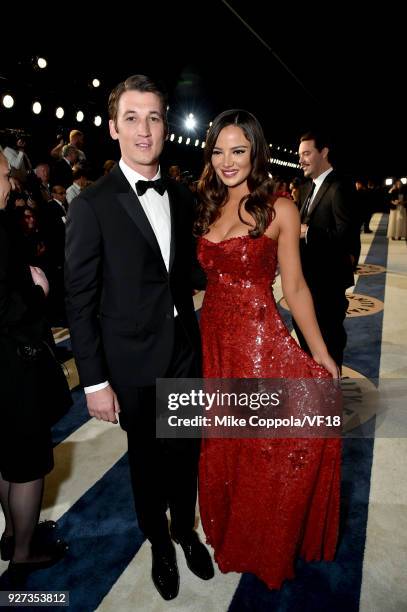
<point>103,404</point>
<point>303,230</point>
<point>39,278</point>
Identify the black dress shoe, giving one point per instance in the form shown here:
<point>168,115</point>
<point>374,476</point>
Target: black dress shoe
<point>196,555</point>
<point>164,572</point>
<point>42,533</point>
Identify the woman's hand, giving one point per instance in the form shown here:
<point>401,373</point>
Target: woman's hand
<point>40,279</point>
<point>329,364</point>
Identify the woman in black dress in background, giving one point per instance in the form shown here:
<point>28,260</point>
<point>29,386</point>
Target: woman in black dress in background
<point>33,389</point>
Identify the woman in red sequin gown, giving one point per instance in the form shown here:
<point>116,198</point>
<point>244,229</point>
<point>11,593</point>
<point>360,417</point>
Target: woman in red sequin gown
<point>263,502</point>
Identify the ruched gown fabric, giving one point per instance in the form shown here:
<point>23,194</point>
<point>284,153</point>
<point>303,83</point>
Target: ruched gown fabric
<point>263,502</point>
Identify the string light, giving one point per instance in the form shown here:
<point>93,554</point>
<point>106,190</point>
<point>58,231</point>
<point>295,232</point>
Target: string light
<point>36,108</point>
<point>8,101</point>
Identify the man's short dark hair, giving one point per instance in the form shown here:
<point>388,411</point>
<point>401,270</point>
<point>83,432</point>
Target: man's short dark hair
<point>321,140</point>
<point>137,82</point>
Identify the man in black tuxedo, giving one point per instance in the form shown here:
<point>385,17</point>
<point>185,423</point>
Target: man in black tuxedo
<point>129,279</point>
<point>329,242</point>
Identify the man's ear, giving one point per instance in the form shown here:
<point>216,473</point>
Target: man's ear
<point>112,129</point>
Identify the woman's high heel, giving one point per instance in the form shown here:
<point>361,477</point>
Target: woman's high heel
<point>42,533</point>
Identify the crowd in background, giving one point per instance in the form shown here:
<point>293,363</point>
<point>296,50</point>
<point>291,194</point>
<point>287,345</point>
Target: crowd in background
<point>43,191</point>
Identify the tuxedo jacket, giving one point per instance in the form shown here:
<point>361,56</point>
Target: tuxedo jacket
<point>120,296</point>
<point>332,236</point>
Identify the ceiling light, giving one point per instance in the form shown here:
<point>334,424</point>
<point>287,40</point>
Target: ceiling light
<point>8,101</point>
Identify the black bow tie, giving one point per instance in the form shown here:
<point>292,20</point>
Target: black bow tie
<point>158,185</point>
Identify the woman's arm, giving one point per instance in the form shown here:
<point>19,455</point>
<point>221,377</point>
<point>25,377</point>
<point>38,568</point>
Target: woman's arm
<point>294,287</point>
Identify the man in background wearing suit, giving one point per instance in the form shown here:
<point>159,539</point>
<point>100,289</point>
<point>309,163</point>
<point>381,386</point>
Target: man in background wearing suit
<point>329,242</point>
<point>129,256</point>
<point>62,173</point>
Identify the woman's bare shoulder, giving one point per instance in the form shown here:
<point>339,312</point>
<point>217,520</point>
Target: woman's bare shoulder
<point>286,210</point>
<point>285,205</point>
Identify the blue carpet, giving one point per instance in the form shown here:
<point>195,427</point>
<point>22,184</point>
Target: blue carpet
<point>363,348</point>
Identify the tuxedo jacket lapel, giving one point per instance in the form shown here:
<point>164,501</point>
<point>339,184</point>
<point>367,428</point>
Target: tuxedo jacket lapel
<point>318,197</point>
<point>320,194</point>
<point>304,204</point>
<point>132,205</point>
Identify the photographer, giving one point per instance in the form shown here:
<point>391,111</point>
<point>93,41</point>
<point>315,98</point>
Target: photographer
<point>56,152</point>
<point>76,139</point>
<point>16,156</point>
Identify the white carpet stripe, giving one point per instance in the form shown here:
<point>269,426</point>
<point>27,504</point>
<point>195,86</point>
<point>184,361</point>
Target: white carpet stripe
<point>384,587</point>
<point>80,461</point>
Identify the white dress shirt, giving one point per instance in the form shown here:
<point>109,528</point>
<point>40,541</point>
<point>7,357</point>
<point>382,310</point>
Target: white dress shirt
<point>157,210</point>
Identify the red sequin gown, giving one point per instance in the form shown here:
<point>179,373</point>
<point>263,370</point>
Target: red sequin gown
<point>263,502</point>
